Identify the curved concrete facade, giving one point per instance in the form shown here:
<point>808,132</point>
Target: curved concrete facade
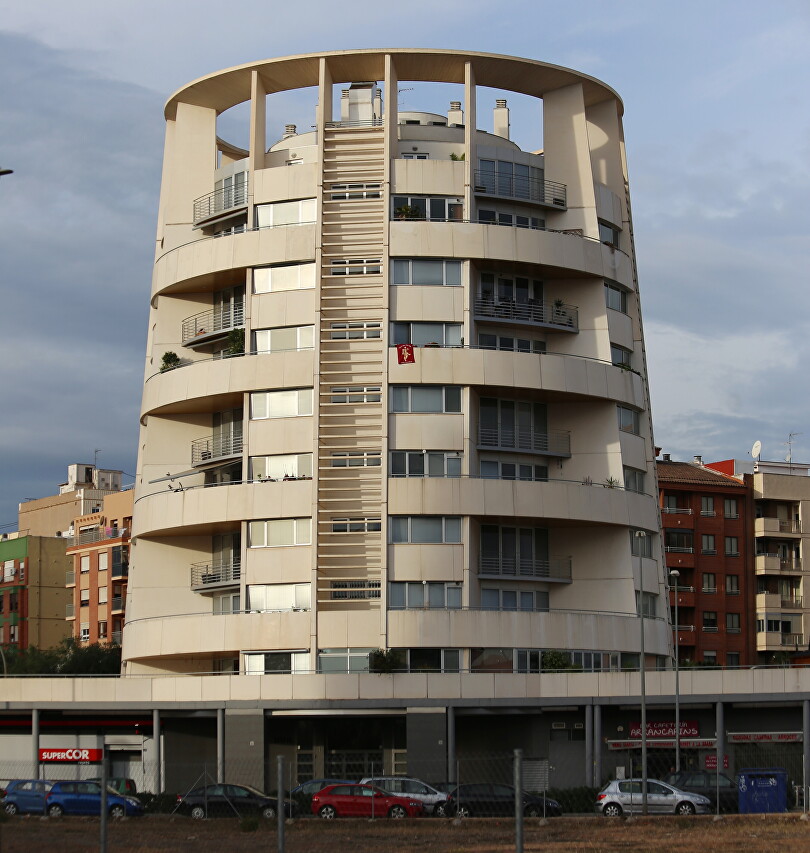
<point>408,394</point>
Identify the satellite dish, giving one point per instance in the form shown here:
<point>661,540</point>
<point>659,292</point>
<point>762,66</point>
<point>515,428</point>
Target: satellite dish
<point>756,449</point>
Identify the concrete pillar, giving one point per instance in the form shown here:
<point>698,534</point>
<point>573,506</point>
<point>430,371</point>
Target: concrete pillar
<point>589,744</point>
<point>156,783</point>
<point>258,124</point>
<point>451,744</point>
<point>220,745</point>
<point>597,750</point>
<point>35,743</point>
<point>720,725</point>
<point>806,746</point>
<point>470,154</point>
<point>244,734</point>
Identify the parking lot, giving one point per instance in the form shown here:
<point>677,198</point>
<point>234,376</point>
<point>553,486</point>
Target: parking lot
<point>752,833</point>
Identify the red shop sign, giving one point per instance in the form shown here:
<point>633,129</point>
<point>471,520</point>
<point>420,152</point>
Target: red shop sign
<point>71,756</point>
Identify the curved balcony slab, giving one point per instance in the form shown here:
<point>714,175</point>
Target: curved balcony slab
<point>205,633</point>
<point>211,385</point>
<point>569,502</point>
<point>556,373</point>
<point>196,265</point>
<point>203,509</point>
<point>549,249</point>
<point>510,629</point>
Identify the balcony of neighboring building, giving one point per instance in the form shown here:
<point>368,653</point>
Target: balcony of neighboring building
<point>208,576</point>
<point>777,527</point>
<point>224,202</point>
<point>216,448</point>
<point>545,443</point>
<point>553,569</point>
<point>777,641</point>
<point>70,611</point>
<point>686,596</point>
<point>97,534</point>
<point>777,564</point>
<point>211,326</point>
<point>771,601</point>
<point>554,315</point>
<point>687,636</point>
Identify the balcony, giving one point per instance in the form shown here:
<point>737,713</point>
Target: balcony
<point>117,604</point>
<point>775,641</point>
<point>97,534</point>
<point>120,571</point>
<point>552,443</point>
<point>775,526</point>
<point>115,637</point>
<point>686,635</point>
<point>679,549</point>
<point>522,187</point>
<point>555,569</point>
<point>774,564</point>
<point>209,326</point>
<point>222,201</point>
<point>547,314</point>
<point>70,578</point>
<point>207,577</point>
<point>70,611</point>
<point>676,510</point>
<point>215,448</point>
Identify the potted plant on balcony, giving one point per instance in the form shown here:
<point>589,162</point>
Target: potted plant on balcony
<point>407,211</point>
<point>169,361</point>
<point>386,661</point>
<point>236,342</point>
<point>560,314</point>
<point>612,483</point>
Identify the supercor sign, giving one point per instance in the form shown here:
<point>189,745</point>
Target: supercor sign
<point>71,756</point>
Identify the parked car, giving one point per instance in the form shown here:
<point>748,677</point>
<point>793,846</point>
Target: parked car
<point>444,787</point>
<point>434,801</point>
<point>485,799</point>
<point>307,789</point>
<point>706,782</point>
<point>357,800</point>
<point>222,800</point>
<point>85,798</point>
<point>124,786</point>
<point>623,796</point>
<point>26,796</point>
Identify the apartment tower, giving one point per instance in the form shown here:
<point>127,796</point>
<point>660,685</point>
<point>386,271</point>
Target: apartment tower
<point>395,391</point>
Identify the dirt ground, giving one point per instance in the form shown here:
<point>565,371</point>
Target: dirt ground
<point>751,833</point>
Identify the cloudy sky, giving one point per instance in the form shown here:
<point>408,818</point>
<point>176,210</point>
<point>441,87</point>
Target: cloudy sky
<point>718,132</point>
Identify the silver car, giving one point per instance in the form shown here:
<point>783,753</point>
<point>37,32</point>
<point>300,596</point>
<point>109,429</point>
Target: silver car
<point>623,796</point>
<point>433,800</point>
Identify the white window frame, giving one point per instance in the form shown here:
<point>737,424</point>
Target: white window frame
<point>276,597</point>
<point>443,334</point>
<point>355,394</point>
<point>349,192</point>
<point>281,278</point>
<point>356,266</point>
<point>397,392</point>
<point>356,459</point>
<point>299,529</point>
<point>260,403</point>
<point>304,339</point>
<point>615,297</point>
<point>275,214</point>
<point>356,331</point>
<point>629,420</point>
<point>255,663</point>
<point>402,272</point>
<point>422,595</point>
<point>425,463</point>
<point>289,466</point>
<point>357,525</point>
<point>402,529</point>
<point>538,473</point>
<point>539,599</point>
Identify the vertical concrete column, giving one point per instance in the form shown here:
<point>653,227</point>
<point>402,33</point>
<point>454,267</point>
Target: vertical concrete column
<point>567,153</point>
<point>220,745</point>
<point>597,746</point>
<point>805,748</point>
<point>607,165</point>
<point>589,744</point>
<point>469,139</point>
<point>156,785</point>
<point>720,725</point>
<point>451,744</point>
<point>35,743</point>
<point>258,125</point>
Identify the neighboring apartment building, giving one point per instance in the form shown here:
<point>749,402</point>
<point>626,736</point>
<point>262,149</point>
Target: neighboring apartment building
<point>97,579</point>
<point>708,520</point>
<point>32,591</point>
<point>781,493</point>
<point>438,438</point>
<point>81,494</point>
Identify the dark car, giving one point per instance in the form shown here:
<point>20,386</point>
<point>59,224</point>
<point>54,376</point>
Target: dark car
<point>222,800</point>
<point>26,796</point>
<point>484,799</point>
<point>85,798</point>
<point>706,782</point>
<point>122,785</point>
<point>363,801</point>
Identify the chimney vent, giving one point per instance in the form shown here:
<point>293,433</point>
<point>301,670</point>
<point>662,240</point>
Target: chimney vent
<point>290,130</point>
<point>667,457</point>
<point>698,460</point>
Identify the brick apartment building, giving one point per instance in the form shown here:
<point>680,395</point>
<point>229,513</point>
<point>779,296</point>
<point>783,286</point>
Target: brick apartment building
<point>98,554</point>
<point>708,538</point>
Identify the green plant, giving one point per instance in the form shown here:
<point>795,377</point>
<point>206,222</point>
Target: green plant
<point>458,157</point>
<point>407,211</point>
<point>386,661</point>
<point>170,361</point>
<point>553,659</point>
<point>612,483</point>
<point>235,342</point>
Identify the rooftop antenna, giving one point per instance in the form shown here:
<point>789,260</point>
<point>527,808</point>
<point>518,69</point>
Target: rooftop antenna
<point>789,445</point>
<point>95,457</point>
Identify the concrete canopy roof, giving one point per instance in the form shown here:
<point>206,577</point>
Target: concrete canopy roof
<point>224,89</point>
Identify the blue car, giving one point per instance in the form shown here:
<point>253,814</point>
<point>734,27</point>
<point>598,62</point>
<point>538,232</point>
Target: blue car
<point>85,798</point>
<point>26,796</point>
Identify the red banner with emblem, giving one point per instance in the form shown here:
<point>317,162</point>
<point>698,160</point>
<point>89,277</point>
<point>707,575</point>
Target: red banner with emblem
<point>405,354</point>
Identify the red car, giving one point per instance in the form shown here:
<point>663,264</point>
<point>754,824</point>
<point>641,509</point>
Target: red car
<point>362,801</point>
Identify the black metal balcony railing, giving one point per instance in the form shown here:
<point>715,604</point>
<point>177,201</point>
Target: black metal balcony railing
<point>209,575</point>
<point>213,322</point>
<point>676,510</point>
<point>521,187</point>
<point>205,450</point>
<point>556,568</point>
<point>117,603</point>
<point>98,534</point>
<point>120,570</point>
<point>220,201</point>
<point>553,443</point>
<point>547,313</point>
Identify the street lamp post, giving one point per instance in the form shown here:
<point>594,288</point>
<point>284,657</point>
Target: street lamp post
<point>675,574</point>
<point>640,536</point>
